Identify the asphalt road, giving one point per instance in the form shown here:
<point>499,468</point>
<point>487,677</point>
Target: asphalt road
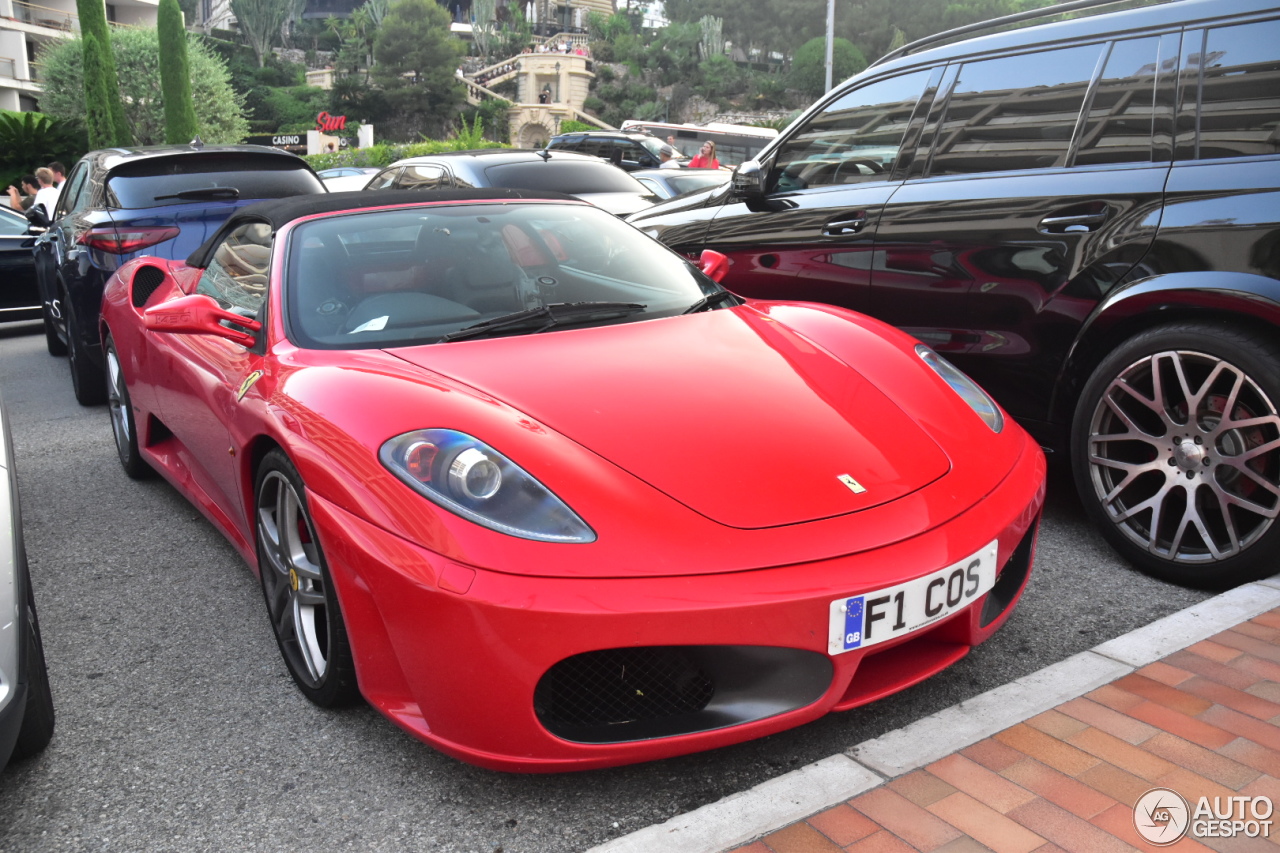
<point>179,730</point>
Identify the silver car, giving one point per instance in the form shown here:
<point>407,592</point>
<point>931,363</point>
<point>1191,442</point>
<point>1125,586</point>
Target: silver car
<point>26,704</point>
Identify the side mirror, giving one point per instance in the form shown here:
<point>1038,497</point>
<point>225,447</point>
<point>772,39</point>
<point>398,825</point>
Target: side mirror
<point>37,216</point>
<point>201,315</point>
<point>748,180</point>
<point>714,265</point>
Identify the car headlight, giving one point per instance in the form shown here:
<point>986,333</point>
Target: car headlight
<point>471,479</point>
<point>965,387</point>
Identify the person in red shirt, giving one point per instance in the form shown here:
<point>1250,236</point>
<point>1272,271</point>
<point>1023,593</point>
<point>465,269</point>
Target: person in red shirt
<point>706,157</point>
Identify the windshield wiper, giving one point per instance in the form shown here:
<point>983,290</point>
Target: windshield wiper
<point>548,316</point>
<point>207,192</point>
<point>709,301</point>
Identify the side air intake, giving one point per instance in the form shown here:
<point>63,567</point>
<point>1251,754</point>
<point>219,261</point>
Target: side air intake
<point>145,282</point>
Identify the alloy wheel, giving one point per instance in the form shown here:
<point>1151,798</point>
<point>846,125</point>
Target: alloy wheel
<point>1184,456</point>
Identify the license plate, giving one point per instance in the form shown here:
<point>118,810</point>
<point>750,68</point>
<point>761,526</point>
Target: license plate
<point>874,617</point>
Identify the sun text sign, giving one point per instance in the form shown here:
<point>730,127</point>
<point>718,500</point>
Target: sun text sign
<point>326,123</point>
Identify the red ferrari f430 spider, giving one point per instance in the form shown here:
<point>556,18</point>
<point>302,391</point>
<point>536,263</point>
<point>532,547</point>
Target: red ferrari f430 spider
<point>547,495</point>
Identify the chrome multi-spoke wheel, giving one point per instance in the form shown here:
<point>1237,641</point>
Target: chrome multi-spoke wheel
<point>300,599</point>
<point>122,420</point>
<point>1177,446</point>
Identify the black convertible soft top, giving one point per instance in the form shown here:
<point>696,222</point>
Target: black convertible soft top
<point>278,212</point>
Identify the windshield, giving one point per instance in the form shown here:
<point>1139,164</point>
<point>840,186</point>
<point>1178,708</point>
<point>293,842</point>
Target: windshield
<point>689,181</point>
<point>412,276</point>
<point>572,177</point>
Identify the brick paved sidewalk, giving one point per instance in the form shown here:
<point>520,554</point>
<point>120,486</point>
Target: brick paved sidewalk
<point>1203,721</point>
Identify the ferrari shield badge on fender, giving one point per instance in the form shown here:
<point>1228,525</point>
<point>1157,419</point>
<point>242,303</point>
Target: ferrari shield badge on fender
<point>854,486</point>
<point>247,384</point>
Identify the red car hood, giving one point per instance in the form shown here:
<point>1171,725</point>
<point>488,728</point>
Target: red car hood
<point>731,413</point>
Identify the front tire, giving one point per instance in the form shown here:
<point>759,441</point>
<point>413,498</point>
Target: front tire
<point>301,600</point>
<point>123,425</point>
<point>1176,453</point>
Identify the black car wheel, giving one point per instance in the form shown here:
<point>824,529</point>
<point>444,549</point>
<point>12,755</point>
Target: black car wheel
<point>123,425</point>
<point>87,379</point>
<point>301,600</point>
<point>1176,453</point>
<point>37,718</point>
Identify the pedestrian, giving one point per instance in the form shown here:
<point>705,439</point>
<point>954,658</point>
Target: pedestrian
<point>706,157</point>
<point>47,195</point>
<point>668,156</point>
<point>22,199</point>
<point>59,173</point>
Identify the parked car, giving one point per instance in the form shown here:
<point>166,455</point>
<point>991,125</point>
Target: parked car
<point>669,183</point>
<point>346,178</point>
<point>1085,217</point>
<point>631,151</point>
<point>26,702</point>
<point>119,202</point>
<point>546,494</point>
<point>19,299</point>
<point>585,177</point>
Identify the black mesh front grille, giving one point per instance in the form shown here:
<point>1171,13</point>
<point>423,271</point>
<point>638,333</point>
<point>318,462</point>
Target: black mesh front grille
<point>145,282</point>
<point>622,686</point>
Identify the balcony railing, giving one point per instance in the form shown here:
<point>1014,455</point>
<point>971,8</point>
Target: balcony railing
<point>43,16</point>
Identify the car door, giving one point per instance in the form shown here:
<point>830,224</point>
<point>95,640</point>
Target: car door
<point>1036,189</point>
<point>58,253</point>
<point>200,394</point>
<point>811,236</point>
<point>18,293</point>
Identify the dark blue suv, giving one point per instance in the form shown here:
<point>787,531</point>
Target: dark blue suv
<point>119,203</point>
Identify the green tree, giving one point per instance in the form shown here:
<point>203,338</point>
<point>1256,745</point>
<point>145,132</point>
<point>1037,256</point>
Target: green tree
<point>416,57</point>
<point>260,21</point>
<point>219,110</point>
<point>809,67</point>
<point>103,81</point>
<point>29,140</point>
<point>180,123</point>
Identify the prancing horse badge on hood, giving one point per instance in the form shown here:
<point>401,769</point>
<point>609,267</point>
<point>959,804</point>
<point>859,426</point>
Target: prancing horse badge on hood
<point>854,486</point>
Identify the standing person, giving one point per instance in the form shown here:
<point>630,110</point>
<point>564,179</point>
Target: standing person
<point>47,195</point>
<point>706,157</point>
<point>21,200</point>
<point>668,157</point>
<point>59,173</point>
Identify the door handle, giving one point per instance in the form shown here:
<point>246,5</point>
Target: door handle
<point>841,227</point>
<point>1075,222</point>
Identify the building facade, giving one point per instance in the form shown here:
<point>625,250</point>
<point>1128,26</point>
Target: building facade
<point>27,28</point>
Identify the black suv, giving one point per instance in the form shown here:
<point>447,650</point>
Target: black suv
<point>1084,216</point>
<point>631,151</point>
<point>118,203</point>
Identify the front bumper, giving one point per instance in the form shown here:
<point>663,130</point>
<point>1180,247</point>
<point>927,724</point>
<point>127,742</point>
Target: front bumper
<point>455,655</point>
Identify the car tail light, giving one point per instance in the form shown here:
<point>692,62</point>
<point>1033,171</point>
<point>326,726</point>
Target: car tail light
<point>125,240</point>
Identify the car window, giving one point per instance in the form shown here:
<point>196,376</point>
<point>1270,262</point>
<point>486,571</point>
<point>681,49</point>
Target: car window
<point>75,192</point>
<point>238,272</point>
<point>157,182</point>
<point>384,179</point>
<point>12,225</point>
<point>1014,112</point>
<point>854,139</point>
<point>653,186</point>
<point>422,177</point>
<point>566,176</point>
<point>1118,126</point>
<point>1239,106</point>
